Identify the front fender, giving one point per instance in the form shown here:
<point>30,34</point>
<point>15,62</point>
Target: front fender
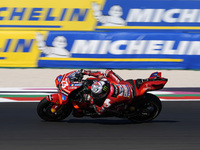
<point>56,98</point>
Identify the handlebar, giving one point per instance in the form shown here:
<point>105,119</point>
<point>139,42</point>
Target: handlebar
<point>81,71</point>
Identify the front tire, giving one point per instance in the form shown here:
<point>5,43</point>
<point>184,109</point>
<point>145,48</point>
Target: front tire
<point>44,111</point>
<point>146,109</point>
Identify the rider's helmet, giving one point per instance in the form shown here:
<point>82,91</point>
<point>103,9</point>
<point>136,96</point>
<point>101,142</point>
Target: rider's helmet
<point>100,90</point>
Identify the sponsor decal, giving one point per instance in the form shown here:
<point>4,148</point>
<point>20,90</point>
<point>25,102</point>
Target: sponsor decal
<point>72,87</point>
<point>120,89</point>
<point>126,92</point>
<point>50,97</point>
<point>56,50</point>
<point>63,97</point>
<point>105,88</point>
<point>75,84</point>
<point>123,90</point>
<point>112,19</point>
<point>64,83</point>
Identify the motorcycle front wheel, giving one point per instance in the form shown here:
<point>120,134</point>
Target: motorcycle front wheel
<point>44,111</point>
<point>146,109</point>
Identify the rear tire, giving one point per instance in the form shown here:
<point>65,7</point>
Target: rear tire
<point>44,111</point>
<point>146,109</point>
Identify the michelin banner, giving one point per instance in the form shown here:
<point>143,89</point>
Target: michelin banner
<point>91,15</point>
<point>99,50</point>
<point>119,50</point>
<point>131,34</point>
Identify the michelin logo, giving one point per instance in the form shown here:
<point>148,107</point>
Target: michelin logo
<point>163,15</point>
<point>155,47</point>
<point>136,15</point>
<point>114,17</point>
<point>58,50</point>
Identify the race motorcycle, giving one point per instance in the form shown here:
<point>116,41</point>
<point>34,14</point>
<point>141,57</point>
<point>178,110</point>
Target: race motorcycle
<point>72,98</point>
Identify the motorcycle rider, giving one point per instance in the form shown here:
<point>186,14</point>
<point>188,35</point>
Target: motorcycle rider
<point>109,91</point>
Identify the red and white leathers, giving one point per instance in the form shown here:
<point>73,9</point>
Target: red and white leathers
<point>121,92</point>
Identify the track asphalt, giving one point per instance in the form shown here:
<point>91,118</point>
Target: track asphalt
<point>176,128</point>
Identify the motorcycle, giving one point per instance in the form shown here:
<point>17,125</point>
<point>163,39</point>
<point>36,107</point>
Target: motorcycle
<point>71,98</point>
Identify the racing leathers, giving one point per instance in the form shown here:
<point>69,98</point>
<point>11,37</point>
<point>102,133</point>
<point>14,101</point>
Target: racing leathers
<point>120,93</point>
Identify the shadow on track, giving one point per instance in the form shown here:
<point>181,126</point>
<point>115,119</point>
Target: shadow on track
<point>112,121</point>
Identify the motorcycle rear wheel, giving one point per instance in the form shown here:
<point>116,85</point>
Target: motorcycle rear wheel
<point>44,111</point>
<point>146,109</point>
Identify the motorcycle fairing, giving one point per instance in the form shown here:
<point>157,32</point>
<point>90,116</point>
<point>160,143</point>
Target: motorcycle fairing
<point>57,98</point>
<point>58,79</point>
<point>54,98</point>
<point>65,87</point>
<point>154,82</point>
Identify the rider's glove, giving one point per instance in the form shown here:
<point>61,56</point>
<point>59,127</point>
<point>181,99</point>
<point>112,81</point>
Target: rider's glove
<point>87,72</point>
<point>90,99</point>
<point>99,110</point>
